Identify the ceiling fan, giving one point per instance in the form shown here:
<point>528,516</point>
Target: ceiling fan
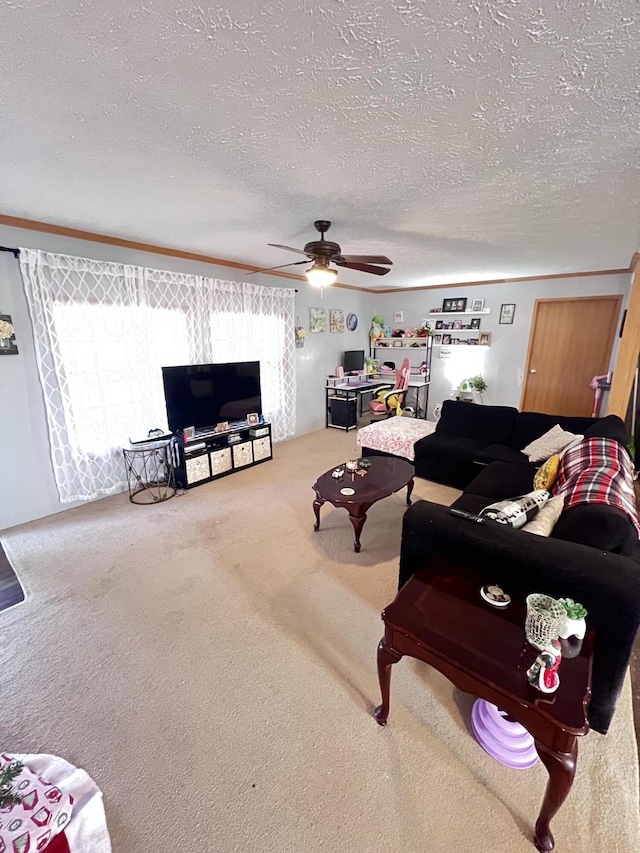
<point>323,252</point>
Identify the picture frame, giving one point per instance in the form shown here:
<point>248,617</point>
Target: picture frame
<point>439,324</point>
<point>457,324</point>
<point>253,419</point>
<point>475,323</point>
<point>8,345</point>
<point>446,306</point>
<point>507,313</point>
<point>398,316</point>
<point>461,304</point>
<point>222,426</point>
<point>317,320</point>
<point>437,340</point>
<point>188,434</point>
<point>455,342</point>
<point>485,339</point>
<point>352,322</point>
<point>336,320</point>
<point>477,304</point>
<point>472,341</point>
<point>446,340</point>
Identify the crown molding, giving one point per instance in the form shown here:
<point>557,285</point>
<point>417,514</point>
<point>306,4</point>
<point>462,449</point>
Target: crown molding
<point>106,239</point>
<point>94,237</point>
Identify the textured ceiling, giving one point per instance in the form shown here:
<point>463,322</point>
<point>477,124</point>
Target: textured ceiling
<point>466,139</point>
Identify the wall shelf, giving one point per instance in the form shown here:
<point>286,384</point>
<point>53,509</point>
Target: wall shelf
<point>466,346</point>
<point>459,313</point>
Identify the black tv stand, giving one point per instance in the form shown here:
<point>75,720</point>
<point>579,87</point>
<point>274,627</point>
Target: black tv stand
<point>210,455</point>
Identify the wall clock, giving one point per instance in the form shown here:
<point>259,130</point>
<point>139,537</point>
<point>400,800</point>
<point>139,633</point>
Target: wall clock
<point>352,322</point>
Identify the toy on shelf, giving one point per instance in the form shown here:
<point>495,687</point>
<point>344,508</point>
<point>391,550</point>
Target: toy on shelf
<point>543,672</point>
<point>377,328</point>
<point>371,365</point>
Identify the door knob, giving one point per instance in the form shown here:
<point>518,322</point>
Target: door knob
<point>533,370</point>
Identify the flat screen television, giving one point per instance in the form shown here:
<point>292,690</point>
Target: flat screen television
<point>202,395</point>
<point>353,360</point>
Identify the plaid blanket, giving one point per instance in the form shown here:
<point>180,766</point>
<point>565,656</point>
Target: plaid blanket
<point>598,471</point>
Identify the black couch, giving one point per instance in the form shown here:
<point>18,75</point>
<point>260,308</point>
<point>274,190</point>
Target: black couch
<point>469,436</point>
<point>592,556</point>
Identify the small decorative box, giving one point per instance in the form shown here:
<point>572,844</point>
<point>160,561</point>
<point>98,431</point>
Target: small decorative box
<point>259,432</point>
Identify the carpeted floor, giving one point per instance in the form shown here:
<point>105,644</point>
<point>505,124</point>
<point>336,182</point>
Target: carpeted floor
<point>210,661</point>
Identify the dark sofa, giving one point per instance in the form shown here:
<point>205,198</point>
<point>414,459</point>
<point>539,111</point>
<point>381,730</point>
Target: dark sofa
<point>469,436</point>
<point>592,556</point>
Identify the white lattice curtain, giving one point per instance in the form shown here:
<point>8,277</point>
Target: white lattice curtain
<point>102,333</point>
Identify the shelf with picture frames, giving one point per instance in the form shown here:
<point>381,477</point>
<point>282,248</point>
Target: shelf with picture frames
<point>462,345</point>
<point>459,313</point>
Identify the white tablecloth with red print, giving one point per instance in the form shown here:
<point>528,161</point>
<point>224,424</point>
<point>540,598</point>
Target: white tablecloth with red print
<point>395,435</point>
<point>55,785</point>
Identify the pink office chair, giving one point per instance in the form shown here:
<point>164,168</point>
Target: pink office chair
<point>382,408</point>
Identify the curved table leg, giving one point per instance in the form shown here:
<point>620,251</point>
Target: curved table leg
<point>357,517</point>
<point>561,767</point>
<point>386,658</point>
<point>409,490</point>
<point>316,508</point>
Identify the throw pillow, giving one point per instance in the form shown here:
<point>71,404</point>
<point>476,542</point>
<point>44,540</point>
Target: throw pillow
<point>546,519</point>
<point>547,474</point>
<point>516,512</point>
<point>551,442</point>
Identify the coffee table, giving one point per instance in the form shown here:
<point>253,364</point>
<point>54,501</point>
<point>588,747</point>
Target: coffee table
<point>384,477</point>
<point>439,617</point>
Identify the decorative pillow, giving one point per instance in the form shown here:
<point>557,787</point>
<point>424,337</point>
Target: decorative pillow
<point>551,442</point>
<point>546,519</point>
<point>516,512</point>
<point>547,474</point>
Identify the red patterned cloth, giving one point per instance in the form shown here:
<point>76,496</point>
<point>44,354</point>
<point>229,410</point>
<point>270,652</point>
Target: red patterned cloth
<point>598,471</point>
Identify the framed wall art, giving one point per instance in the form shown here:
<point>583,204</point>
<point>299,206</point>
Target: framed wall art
<point>8,344</point>
<point>507,313</point>
<point>317,319</point>
<point>477,304</point>
<point>336,320</point>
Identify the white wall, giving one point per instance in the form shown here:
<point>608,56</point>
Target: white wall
<point>503,363</point>
<point>27,488</point>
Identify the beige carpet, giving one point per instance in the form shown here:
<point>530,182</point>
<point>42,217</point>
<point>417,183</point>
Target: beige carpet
<point>211,663</point>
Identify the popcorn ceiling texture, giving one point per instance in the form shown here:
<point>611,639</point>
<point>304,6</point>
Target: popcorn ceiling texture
<point>464,138</point>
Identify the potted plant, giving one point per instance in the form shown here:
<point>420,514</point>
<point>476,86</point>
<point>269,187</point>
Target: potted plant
<point>478,383</point>
<point>574,625</point>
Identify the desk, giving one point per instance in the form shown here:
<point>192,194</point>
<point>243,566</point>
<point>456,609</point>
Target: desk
<point>344,399</point>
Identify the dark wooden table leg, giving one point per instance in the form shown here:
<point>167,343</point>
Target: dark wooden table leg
<point>561,767</point>
<point>358,516</point>
<point>316,508</point>
<point>386,658</point>
<point>409,490</point>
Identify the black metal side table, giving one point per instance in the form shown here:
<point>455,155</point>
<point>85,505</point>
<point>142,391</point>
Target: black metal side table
<point>150,472</point>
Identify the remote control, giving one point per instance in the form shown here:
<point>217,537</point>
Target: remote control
<point>468,515</point>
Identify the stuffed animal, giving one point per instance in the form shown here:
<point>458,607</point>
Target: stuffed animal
<point>377,330</point>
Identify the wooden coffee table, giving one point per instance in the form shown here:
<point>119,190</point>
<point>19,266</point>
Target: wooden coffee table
<point>439,617</point>
<point>386,476</point>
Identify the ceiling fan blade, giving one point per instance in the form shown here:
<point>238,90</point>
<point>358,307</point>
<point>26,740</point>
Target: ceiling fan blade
<point>362,267</point>
<point>267,269</point>
<point>366,259</point>
<point>288,248</point>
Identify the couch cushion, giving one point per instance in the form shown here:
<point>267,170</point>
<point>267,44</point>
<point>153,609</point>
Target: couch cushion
<point>531,425</point>
<point>603,527</point>
<point>502,480</point>
<point>610,427</point>
<point>471,503</point>
<point>492,424</point>
<point>501,453</point>
<point>554,441</point>
<point>455,447</point>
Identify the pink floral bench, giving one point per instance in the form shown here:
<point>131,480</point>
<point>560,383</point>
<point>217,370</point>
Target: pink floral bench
<point>395,435</point>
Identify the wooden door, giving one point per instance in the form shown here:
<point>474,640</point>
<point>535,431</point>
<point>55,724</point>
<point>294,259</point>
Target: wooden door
<point>570,343</point>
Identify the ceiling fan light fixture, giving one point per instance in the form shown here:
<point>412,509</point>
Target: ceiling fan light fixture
<point>320,275</point>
